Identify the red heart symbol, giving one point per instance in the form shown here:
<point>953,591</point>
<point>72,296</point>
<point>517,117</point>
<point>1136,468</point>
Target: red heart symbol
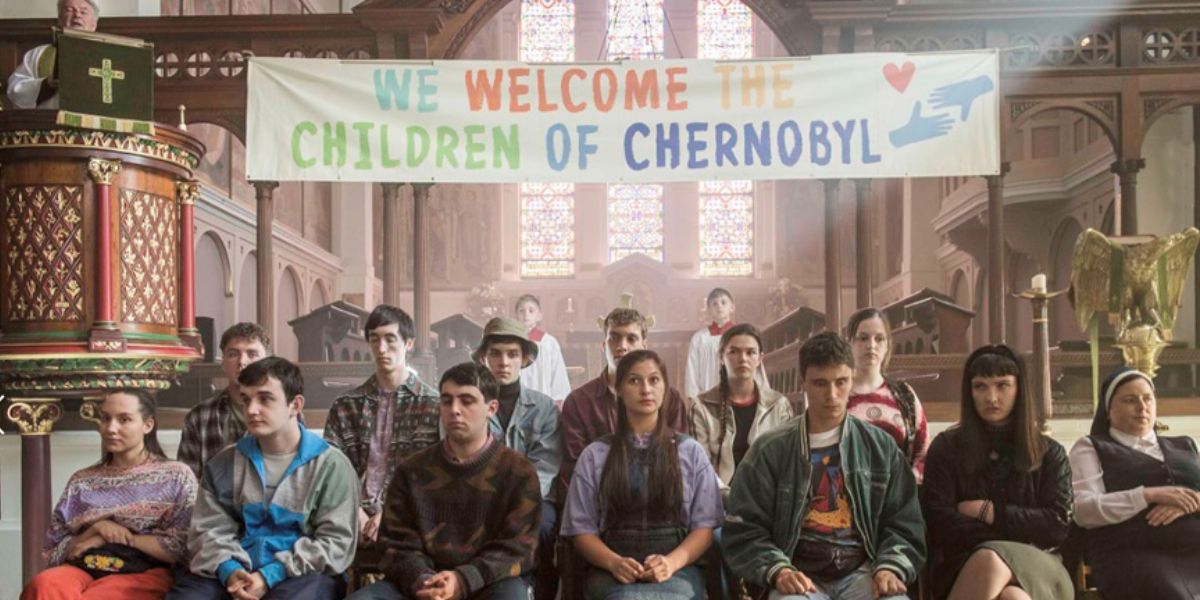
<point>900,76</point>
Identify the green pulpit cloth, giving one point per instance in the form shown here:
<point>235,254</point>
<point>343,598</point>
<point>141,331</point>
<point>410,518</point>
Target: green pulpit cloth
<point>107,77</point>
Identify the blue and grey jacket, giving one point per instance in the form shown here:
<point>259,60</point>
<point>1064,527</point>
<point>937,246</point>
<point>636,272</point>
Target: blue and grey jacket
<point>533,430</point>
<point>308,526</point>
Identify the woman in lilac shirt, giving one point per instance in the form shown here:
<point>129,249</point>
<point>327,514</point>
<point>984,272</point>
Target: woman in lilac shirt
<point>642,519</point>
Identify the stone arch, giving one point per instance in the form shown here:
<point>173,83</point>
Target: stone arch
<point>288,300</point>
<point>1166,189</point>
<point>1155,107</point>
<point>214,274</point>
<point>318,295</point>
<point>246,293</point>
<point>1021,111</point>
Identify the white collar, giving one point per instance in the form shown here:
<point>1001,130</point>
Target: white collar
<point>1149,440</point>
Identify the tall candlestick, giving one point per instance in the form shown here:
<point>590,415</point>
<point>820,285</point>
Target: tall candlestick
<point>1039,282</point>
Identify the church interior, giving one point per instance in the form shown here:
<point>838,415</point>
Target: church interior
<point>1099,130</point>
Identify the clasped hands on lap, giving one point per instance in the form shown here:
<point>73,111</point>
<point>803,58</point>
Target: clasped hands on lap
<point>791,582</point>
<point>100,533</point>
<point>1169,503</point>
<point>656,569</point>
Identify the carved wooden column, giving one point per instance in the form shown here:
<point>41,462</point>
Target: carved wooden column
<point>833,271</point>
<point>421,267</point>
<point>862,243</point>
<point>264,194</point>
<point>104,335</point>
<point>35,418</point>
<point>1127,170</point>
<point>188,192</point>
<point>995,267</point>
<point>391,243</point>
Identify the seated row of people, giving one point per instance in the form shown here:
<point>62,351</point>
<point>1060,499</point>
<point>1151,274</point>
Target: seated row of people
<point>824,505</point>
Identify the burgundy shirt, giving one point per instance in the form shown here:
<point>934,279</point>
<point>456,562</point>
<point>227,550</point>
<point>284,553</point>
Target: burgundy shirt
<point>589,413</point>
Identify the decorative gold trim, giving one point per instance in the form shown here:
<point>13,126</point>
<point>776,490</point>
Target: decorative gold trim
<point>35,416</point>
<point>137,145</point>
<point>188,191</point>
<point>89,410</point>
<point>103,171</point>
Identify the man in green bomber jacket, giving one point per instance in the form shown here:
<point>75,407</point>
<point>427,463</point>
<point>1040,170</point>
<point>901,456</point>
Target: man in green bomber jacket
<point>825,508</point>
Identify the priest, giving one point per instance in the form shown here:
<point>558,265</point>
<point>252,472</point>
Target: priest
<point>34,84</point>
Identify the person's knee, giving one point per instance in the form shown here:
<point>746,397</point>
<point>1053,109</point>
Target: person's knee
<point>55,582</point>
<point>986,558</point>
<point>1013,592</point>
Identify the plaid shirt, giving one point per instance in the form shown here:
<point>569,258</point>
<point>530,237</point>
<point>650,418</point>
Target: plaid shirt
<point>353,417</point>
<point>208,428</point>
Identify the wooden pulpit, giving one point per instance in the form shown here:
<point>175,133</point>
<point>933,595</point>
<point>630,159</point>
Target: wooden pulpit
<point>96,276</point>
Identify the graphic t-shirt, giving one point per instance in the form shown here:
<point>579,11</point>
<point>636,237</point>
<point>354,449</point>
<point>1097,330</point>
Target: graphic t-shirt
<point>830,519</point>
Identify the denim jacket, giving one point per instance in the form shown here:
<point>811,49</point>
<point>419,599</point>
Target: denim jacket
<point>533,430</point>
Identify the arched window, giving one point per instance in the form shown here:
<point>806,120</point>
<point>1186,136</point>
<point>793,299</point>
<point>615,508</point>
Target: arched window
<point>726,228</point>
<point>547,209</point>
<point>547,30</point>
<point>635,220</point>
<point>547,229</point>
<point>635,211</point>
<point>635,30</point>
<point>725,32</point>
<point>724,29</point>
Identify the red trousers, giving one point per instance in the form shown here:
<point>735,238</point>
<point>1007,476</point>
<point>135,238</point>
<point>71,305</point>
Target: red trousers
<point>72,583</point>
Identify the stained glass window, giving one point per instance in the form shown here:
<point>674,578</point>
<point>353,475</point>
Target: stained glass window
<point>635,29</point>
<point>547,209</point>
<point>726,228</point>
<point>547,30</point>
<point>547,229</point>
<point>635,220</point>
<point>724,29</point>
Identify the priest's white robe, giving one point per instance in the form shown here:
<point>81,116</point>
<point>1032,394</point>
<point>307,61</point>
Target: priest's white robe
<point>25,83</point>
<point>547,374</point>
<point>703,363</point>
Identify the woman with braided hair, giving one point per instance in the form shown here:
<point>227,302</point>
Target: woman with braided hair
<point>729,417</point>
<point>885,403</point>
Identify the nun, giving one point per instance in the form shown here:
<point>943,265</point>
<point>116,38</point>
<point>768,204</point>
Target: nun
<point>1137,495</point>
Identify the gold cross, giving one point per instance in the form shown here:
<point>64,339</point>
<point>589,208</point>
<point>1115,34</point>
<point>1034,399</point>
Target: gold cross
<point>107,75</point>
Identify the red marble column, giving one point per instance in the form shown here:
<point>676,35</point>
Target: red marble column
<point>35,418</point>
<point>104,336</point>
<point>188,191</point>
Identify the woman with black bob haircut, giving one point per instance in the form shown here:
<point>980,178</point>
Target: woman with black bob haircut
<point>643,501</point>
<point>1137,495</point>
<point>997,493</point>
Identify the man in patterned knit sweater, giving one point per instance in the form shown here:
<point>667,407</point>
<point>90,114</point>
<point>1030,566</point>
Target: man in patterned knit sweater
<point>462,517</point>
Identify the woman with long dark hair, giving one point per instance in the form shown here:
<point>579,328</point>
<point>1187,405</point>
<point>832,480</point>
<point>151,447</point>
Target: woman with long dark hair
<point>997,493</point>
<point>885,403</point>
<point>122,522</point>
<point>728,418</point>
<point>643,501</point>
<point>1137,495</point>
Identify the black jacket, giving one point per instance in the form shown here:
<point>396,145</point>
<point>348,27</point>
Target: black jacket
<point>1033,508</point>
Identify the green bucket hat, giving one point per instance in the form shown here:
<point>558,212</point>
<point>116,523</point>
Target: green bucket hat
<point>509,329</point>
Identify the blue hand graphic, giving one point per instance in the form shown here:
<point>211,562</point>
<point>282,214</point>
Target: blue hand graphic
<point>920,128</point>
<point>961,94</point>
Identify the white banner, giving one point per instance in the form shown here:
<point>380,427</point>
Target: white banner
<point>823,117</point>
